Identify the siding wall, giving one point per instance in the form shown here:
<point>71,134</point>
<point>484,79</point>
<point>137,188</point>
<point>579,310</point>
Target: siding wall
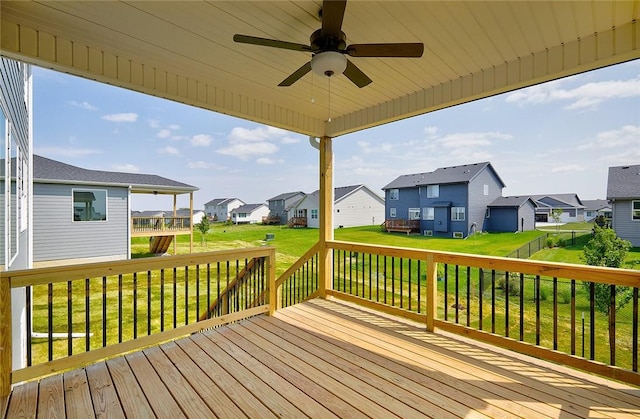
<point>478,201</point>
<point>308,204</point>
<point>622,223</point>
<point>456,193</point>
<point>407,198</point>
<point>502,220</point>
<point>358,209</point>
<point>56,236</point>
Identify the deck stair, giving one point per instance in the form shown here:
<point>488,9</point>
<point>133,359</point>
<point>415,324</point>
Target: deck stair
<point>160,244</point>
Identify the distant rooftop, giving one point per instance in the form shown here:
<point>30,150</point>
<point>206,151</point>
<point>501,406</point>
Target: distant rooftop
<point>443,175</point>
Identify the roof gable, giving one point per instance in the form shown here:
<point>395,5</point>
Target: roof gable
<point>285,196</point>
<point>624,182</point>
<point>247,208</point>
<point>444,175</point>
<point>46,170</point>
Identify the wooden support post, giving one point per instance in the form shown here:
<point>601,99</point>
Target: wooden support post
<point>325,268</point>
<point>272,292</point>
<point>175,212</point>
<point>432,292</point>
<point>5,340</point>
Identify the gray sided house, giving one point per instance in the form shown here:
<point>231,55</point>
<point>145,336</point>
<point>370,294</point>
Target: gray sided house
<point>595,208</point>
<point>219,209</point>
<point>448,202</point>
<point>511,214</point>
<point>570,204</point>
<point>280,206</point>
<point>623,191</point>
<point>82,215</point>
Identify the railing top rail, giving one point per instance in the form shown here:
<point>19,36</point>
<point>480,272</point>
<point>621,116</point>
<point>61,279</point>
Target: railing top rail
<point>160,217</point>
<point>29,277</point>
<point>624,277</point>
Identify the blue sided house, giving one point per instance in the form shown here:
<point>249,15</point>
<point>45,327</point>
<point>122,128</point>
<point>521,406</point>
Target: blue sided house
<point>448,202</point>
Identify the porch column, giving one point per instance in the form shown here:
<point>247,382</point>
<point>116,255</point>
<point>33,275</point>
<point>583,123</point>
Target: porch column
<point>325,268</point>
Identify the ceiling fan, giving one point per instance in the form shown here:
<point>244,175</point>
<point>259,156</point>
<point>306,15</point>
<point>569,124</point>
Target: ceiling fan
<point>329,48</point>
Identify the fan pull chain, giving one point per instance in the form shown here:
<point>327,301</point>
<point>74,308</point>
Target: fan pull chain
<point>329,99</point>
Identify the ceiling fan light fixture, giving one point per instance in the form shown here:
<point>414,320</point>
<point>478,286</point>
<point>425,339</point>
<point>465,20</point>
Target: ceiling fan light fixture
<point>328,63</point>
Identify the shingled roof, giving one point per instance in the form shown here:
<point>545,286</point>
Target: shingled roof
<point>624,182</point>
<point>51,171</point>
<point>511,201</point>
<point>454,174</point>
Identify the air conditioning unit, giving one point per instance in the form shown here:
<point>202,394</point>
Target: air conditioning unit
<point>458,235</point>
<point>428,233</point>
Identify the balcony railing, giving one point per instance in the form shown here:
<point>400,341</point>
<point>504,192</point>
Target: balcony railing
<point>84,313</point>
<point>150,226</point>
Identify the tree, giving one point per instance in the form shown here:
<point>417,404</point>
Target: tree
<point>203,227</point>
<point>607,249</point>
<point>556,215</point>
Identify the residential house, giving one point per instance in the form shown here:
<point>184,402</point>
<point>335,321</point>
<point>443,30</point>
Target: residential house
<point>511,214</point>
<point>90,212</point>
<point>190,219</point>
<point>569,203</point>
<point>280,206</point>
<point>595,208</point>
<point>354,206</point>
<point>623,191</point>
<point>448,202</point>
<point>249,213</point>
<point>220,209</point>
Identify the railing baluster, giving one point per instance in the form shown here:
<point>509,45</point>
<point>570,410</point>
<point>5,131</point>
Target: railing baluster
<point>573,317</point>
<point>162,300</point>
<point>120,308</point>
<point>493,301</point>
<point>634,341</point>
<point>456,295</point>
<point>135,305</point>
<point>393,281</point>
<point>468,296</point>
<point>446,292</point>
<point>87,315</point>
<point>29,309</point>
<point>419,278</point>
<point>506,303</point>
<point>592,321</point>
<point>363,274</point>
<point>104,311</point>
<point>385,279</point>
<point>537,297</point>
<point>186,295</point>
<point>175,298</point>
<point>521,307</point>
<point>69,318</point>
<point>409,282</point>
<point>555,314</point>
<point>197,292</point>
<point>612,325</point>
<point>148,302</point>
<point>480,298</point>
<point>50,322</point>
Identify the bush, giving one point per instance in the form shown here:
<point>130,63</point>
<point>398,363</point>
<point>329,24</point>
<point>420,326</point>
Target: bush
<point>550,242</point>
<point>564,296</point>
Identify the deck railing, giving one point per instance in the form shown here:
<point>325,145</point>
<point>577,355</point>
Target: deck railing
<point>81,313</point>
<point>528,306</point>
<point>548,310</point>
<point>154,225</point>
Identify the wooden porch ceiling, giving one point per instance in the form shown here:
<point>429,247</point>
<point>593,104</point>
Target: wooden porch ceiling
<point>184,51</point>
<point>324,359</point>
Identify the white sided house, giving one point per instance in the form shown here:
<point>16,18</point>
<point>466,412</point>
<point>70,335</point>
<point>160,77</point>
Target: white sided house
<point>354,206</point>
<point>82,215</point>
<point>249,214</point>
<point>219,209</point>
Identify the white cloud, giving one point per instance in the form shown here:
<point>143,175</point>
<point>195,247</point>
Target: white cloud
<point>244,151</point>
<point>174,126</point>
<point>588,95</point>
<point>265,160</point>
<point>127,167</point>
<point>290,140</point>
<point>169,150</point>
<point>367,148</point>
<point>431,131</point>
<point>121,117</point>
<point>201,140</point>
<point>262,133</point>
<point>201,165</point>
<point>164,133</point>
<point>84,105</point>
<point>628,136</point>
<point>66,151</point>
<point>154,123</point>
<point>568,168</point>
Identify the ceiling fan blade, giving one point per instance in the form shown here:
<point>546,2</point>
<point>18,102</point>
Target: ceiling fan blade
<point>296,75</point>
<point>356,75</point>
<point>408,50</point>
<point>332,15</point>
<point>274,43</point>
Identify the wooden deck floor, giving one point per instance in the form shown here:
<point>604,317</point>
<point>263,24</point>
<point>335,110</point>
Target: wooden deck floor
<point>323,359</point>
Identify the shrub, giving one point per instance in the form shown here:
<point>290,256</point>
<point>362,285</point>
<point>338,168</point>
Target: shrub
<point>550,242</point>
<point>564,296</point>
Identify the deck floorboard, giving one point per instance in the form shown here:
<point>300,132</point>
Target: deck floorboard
<point>323,358</point>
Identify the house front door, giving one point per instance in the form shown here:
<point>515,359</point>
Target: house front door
<point>441,219</point>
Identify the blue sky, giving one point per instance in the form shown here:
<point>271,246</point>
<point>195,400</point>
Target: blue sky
<point>558,137</point>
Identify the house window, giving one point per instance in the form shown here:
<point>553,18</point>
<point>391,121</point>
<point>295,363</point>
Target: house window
<point>89,205</point>
<point>427,213</point>
<point>486,190</point>
<point>433,191</point>
<point>414,213</point>
<point>314,214</point>
<point>635,210</point>
<point>392,212</point>
<point>394,194</point>
<point>457,213</point>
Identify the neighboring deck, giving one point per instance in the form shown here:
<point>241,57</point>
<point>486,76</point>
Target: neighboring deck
<point>324,359</point>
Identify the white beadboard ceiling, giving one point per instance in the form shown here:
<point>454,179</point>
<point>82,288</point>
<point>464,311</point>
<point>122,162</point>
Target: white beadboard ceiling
<point>184,51</point>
